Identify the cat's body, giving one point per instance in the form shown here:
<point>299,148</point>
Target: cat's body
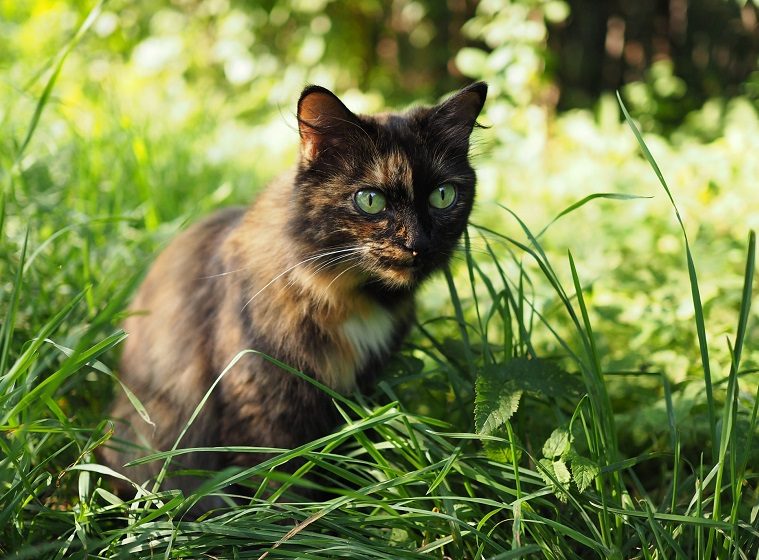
<point>312,274</point>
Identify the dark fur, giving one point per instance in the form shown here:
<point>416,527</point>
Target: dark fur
<point>233,282</point>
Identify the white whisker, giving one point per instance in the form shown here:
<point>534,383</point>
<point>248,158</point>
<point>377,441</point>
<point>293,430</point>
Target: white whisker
<point>339,275</point>
<point>334,260</point>
<point>281,274</point>
<point>333,250</point>
<point>228,272</point>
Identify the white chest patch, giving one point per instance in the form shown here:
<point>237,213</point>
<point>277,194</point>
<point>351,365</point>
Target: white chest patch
<point>364,334</point>
<point>369,334</point>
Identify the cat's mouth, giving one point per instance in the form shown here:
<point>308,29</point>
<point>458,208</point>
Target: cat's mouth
<point>400,264</point>
<point>399,271</point>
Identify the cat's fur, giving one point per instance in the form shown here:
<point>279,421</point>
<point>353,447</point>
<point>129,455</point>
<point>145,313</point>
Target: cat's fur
<point>303,276</point>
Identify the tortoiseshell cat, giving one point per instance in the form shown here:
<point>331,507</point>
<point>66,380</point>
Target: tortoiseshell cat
<point>319,273</point>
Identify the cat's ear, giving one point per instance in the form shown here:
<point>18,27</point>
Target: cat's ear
<point>323,121</point>
<point>458,114</point>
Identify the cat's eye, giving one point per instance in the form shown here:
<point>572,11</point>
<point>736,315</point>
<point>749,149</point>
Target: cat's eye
<point>443,196</point>
<point>370,201</point>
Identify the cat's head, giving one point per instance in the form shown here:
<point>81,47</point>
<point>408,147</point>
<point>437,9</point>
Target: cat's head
<point>390,194</point>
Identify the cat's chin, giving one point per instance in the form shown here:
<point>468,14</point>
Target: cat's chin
<point>399,277</point>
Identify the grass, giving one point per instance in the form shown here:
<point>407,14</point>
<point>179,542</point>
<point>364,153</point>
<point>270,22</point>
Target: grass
<point>498,433</point>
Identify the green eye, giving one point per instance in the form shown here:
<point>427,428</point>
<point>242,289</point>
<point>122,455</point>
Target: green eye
<point>443,196</point>
<point>370,201</point>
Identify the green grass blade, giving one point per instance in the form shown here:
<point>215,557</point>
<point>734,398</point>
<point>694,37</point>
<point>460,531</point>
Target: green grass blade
<point>516,304</point>
<point>461,321</point>
<point>726,435</point>
<point>55,72</point>
<point>470,265</point>
<point>661,535</point>
<point>583,202</point>
<point>606,432</point>
<point>444,471</point>
<point>71,365</point>
<point>6,332</point>
<point>693,278</point>
<point>748,279</point>
<point>27,356</point>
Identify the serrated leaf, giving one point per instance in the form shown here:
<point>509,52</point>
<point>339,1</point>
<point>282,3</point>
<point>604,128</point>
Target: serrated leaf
<point>494,404</point>
<point>584,471</point>
<point>499,388</point>
<point>557,444</point>
<point>535,376</point>
<point>550,477</point>
<point>547,464</point>
<point>561,471</point>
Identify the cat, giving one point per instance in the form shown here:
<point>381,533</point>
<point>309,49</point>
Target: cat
<point>319,273</point>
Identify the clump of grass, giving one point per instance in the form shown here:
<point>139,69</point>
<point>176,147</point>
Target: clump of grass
<point>521,455</point>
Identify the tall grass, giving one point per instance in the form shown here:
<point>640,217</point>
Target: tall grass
<point>477,444</point>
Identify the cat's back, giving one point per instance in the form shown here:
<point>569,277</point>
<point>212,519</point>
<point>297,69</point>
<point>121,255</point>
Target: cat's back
<point>190,256</point>
<point>165,361</point>
<point>172,310</point>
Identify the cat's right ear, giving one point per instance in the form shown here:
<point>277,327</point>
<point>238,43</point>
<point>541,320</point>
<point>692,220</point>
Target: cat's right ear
<point>323,122</point>
<point>457,115</point>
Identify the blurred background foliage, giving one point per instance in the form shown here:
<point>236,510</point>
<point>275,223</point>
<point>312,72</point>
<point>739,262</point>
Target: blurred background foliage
<point>169,108</point>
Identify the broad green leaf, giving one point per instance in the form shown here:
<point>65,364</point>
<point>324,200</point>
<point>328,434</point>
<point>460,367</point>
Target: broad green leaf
<point>584,471</point>
<point>547,464</point>
<point>494,404</point>
<point>499,388</point>
<point>561,471</point>
<point>552,478</point>
<point>557,444</point>
<point>536,376</point>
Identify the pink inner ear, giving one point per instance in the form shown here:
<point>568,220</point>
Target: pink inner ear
<point>318,106</point>
<point>326,114</point>
<point>309,112</point>
<point>309,141</point>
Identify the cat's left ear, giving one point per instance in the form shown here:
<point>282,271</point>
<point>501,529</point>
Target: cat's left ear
<point>323,122</point>
<point>458,114</point>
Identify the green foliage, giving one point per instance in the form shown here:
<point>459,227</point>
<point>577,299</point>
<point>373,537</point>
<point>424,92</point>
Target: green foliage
<point>494,405</point>
<point>584,471</point>
<point>558,451</point>
<point>498,390</point>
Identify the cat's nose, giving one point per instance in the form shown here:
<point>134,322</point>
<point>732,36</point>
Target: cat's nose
<point>417,246</point>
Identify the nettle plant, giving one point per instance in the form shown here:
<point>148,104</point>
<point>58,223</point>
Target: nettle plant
<point>499,390</point>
